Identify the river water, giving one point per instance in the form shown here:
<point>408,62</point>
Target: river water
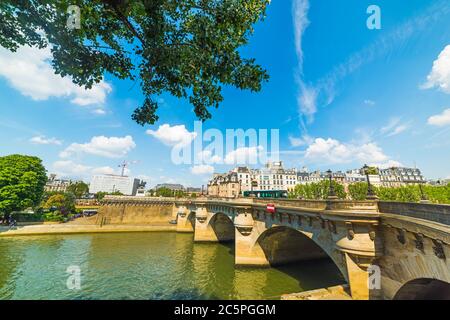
<point>144,266</point>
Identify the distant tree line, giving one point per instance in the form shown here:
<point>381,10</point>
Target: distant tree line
<point>358,191</point>
<point>168,193</point>
<point>317,190</point>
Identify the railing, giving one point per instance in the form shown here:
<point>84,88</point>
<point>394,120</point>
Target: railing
<point>309,204</point>
<point>433,212</point>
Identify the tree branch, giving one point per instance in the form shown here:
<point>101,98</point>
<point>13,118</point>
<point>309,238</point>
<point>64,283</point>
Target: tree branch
<point>127,23</point>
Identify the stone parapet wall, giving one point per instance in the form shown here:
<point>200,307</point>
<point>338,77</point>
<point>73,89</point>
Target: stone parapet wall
<point>136,214</point>
<point>432,212</point>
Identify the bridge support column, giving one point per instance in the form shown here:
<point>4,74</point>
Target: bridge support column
<point>185,220</point>
<point>358,277</point>
<point>360,248</point>
<point>247,251</point>
<point>203,230</point>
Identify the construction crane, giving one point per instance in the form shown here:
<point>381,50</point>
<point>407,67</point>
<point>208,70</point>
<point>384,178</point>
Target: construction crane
<point>124,165</point>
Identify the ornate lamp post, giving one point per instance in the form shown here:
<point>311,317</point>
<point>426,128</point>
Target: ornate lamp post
<point>370,193</point>
<point>423,197</point>
<point>331,192</point>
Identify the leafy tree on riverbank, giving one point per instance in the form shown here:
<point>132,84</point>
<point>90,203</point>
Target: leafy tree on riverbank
<point>22,181</point>
<point>190,49</point>
<point>62,202</point>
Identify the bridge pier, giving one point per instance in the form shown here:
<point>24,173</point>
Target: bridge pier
<point>246,234</point>
<point>203,230</point>
<point>185,220</point>
<point>361,247</point>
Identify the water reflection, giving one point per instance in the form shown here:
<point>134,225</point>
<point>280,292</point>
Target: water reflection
<point>144,266</point>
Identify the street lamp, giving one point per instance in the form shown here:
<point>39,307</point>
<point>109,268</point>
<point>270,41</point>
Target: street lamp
<point>331,191</point>
<point>423,197</point>
<point>370,194</point>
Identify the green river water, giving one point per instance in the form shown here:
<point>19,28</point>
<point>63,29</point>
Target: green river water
<point>145,266</point>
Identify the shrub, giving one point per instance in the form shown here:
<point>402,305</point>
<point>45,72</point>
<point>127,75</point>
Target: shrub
<point>55,216</point>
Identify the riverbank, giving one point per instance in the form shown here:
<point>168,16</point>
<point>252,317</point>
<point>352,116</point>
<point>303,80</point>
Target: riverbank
<point>72,228</point>
<point>340,292</point>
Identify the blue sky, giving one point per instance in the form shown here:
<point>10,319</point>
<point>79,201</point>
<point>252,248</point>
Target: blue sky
<point>340,94</point>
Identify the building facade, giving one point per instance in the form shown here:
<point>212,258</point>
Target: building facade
<point>56,185</point>
<point>355,176</point>
<point>399,176</point>
<point>114,183</point>
<point>274,177</point>
<point>271,177</point>
<point>225,185</point>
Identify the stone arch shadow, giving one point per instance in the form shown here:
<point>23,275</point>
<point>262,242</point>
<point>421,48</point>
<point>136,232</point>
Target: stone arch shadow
<point>222,226</point>
<point>284,245</point>
<point>191,219</point>
<point>424,289</point>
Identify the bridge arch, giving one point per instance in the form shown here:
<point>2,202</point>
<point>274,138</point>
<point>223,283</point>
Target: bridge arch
<point>284,244</point>
<point>424,289</point>
<point>190,220</point>
<point>222,226</point>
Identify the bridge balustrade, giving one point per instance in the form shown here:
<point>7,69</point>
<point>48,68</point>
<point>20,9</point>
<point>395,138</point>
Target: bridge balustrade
<point>431,212</point>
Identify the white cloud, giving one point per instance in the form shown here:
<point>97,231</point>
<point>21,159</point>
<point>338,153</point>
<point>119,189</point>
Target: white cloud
<point>300,10</point>
<point>99,111</point>
<point>394,127</point>
<point>307,95</point>
<point>112,147</point>
<point>397,130</point>
<point>440,120</point>
<point>202,169</point>
<point>439,76</point>
<point>244,155</point>
<point>387,164</point>
<point>302,141</point>
<point>206,156</point>
<point>307,100</point>
<point>331,151</point>
<point>44,140</point>
<point>69,168</point>
<point>29,71</point>
<point>173,135</point>
<point>369,102</point>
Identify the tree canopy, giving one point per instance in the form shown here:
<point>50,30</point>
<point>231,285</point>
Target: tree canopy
<point>317,190</point>
<point>188,48</point>
<point>167,192</point>
<point>22,181</point>
<point>79,189</point>
<point>63,202</point>
<point>410,193</point>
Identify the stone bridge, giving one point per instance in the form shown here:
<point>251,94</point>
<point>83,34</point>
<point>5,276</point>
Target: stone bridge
<point>406,244</point>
